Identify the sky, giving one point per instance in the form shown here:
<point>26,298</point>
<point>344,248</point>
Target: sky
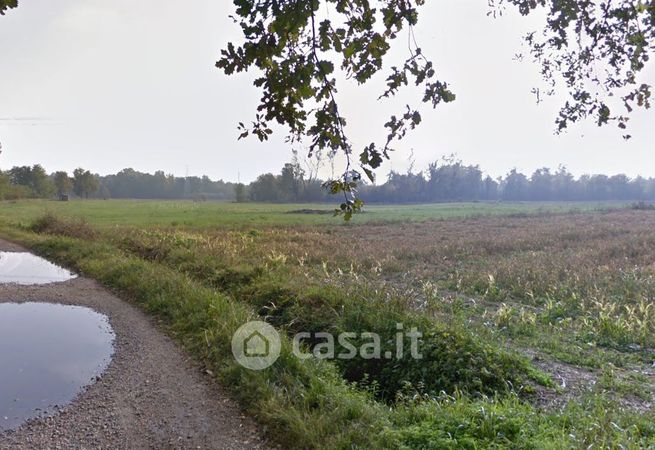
<point>109,85</point>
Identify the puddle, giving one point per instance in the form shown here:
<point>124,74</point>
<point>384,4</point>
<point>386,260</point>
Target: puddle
<point>48,354</point>
<point>26,268</point>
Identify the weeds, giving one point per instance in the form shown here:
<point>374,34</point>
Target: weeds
<point>52,224</point>
<point>576,287</point>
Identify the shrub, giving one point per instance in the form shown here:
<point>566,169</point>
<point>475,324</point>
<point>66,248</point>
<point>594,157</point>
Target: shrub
<point>452,358</point>
<point>75,228</point>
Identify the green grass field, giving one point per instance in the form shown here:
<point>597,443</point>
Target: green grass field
<point>107,213</point>
<point>538,320</point>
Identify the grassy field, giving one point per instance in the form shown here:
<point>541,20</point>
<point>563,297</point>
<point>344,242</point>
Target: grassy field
<point>537,319</point>
<point>187,214</point>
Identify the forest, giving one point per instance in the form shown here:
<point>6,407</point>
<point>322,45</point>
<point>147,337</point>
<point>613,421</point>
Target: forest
<point>446,180</point>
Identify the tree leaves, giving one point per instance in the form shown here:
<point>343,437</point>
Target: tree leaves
<point>296,46</point>
<point>595,50</point>
<point>7,4</point>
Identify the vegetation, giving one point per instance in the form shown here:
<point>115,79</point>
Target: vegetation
<point>537,327</point>
<point>33,181</point>
<point>447,180</point>
<point>245,216</point>
<point>84,183</point>
<point>6,4</point>
<point>302,51</point>
<point>63,183</point>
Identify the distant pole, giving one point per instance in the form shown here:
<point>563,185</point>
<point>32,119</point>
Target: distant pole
<point>187,187</point>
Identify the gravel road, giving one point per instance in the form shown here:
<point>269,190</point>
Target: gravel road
<point>151,396</point>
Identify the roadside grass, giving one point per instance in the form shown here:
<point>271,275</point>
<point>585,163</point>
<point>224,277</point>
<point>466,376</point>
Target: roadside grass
<point>460,422</point>
<point>454,359</point>
<point>202,283</point>
<point>303,405</point>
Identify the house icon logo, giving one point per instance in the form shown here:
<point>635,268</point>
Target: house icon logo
<point>256,345</point>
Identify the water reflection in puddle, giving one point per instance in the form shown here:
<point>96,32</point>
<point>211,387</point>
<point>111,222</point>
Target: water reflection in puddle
<point>26,268</point>
<point>48,353</point>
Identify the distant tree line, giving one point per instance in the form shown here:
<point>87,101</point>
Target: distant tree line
<point>446,180</point>
<point>35,182</point>
<point>129,183</point>
<point>450,180</point>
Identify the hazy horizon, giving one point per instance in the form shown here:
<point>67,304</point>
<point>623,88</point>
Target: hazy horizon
<point>124,85</point>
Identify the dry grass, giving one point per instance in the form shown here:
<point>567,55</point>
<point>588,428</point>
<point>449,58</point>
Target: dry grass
<point>588,274</point>
<point>572,292</point>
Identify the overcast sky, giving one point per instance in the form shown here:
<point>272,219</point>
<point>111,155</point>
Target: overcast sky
<point>112,84</point>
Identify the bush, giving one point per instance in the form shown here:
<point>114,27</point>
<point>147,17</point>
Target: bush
<point>75,228</point>
<point>452,358</point>
<point>642,206</point>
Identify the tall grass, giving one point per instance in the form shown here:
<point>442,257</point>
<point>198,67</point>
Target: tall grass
<point>467,394</point>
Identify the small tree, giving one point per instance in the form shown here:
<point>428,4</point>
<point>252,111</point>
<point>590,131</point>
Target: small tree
<point>84,183</point>
<point>4,185</point>
<point>240,192</point>
<point>63,183</point>
<point>34,179</point>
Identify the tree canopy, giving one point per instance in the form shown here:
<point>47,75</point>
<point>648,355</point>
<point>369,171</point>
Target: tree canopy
<point>594,49</point>
<point>84,183</point>
<point>445,180</point>
<point>6,4</point>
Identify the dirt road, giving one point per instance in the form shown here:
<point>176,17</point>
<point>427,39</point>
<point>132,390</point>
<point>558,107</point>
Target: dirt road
<point>151,396</point>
